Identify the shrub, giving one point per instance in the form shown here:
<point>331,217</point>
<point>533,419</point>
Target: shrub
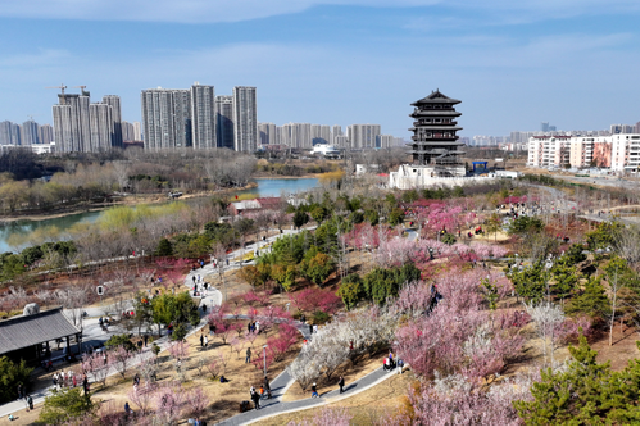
<point>320,317</point>
<point>11,375</point>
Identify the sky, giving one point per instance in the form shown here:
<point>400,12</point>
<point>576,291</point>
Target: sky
<point>512,63</point>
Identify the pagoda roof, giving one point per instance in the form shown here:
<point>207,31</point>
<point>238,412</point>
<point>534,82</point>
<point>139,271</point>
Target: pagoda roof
<point>437,98</point>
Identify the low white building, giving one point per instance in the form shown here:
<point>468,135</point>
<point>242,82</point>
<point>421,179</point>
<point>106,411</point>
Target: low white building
<point>36,149</point>
<point>325,150</point>
<point>366,168</point>
<point>411,176</point>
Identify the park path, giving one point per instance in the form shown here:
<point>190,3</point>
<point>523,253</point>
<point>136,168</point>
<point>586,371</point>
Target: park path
<point>275,406</point>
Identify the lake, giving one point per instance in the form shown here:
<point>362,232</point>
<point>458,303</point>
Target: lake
<point>265,188</point>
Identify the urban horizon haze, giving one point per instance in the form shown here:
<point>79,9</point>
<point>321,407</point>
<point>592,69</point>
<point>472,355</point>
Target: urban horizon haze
<point>512,64</point>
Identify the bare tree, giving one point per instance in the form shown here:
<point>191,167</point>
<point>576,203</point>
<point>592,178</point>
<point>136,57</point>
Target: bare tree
<point>628,244</point>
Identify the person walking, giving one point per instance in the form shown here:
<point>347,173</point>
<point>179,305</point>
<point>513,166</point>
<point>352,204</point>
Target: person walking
<point>30,402</point>
<point>341,384</point>
<point>257,327</point>
<point>255,397</point>
<point>266,383</point>
<point>206,341</point>
<point>247,359</point>
<point>146,339</point>
<point>19,390</point>
<point>201,339</point>
<point>55,380</point>
<point>314,391</point>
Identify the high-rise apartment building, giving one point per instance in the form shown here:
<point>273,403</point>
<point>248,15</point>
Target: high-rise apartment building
<point>137,131</point>
<point>296,135</point>
<point>116,112</point>
<point>245,118</point>
<point>127,131</point>
<point>621,128</point>
<point>9,133</point>
<point>320,134</point>
<point>268,134</point>
<point>131,131</point>
<point>203,117</point>
<point>336,130</point>
<point>341,141</point>
<point>71,123</point>
<point>102,127</point>
<point>166,118</point>
<point>224,121</point>
<point>364,136</point>
<point>80,126</point>
<point>46,134</point>
<point>30,134</point>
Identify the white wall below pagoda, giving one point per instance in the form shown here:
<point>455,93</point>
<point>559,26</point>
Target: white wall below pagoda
<point>411,176</point>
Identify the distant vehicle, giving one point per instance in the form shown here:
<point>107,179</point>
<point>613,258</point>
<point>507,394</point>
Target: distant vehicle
<point>176,194</point>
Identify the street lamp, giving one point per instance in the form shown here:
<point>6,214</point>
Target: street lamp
<point>264,358</point>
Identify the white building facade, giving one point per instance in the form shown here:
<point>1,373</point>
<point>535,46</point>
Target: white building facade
<point>619,152</point>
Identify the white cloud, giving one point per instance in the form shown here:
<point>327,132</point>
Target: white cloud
<point>193,11</point>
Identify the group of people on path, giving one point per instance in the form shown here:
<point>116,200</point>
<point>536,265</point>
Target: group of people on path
<point>22,394</point>
<point>254,327</point>
<point>389,364</point>
<point>263,392</point>
<point>204,340</point>
<point>314,388</point>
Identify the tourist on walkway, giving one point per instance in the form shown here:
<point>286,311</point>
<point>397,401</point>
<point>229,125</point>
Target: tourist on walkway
<point>146,339</point>
<point>29,402</point>
<point>201,339</point>
<point>257,326</point>
<point>247,359</point>
<point>341,384</point>
<point>55,380</point>
<point>20,391</point>
<point>206,341</point>
<point>314,391</point>
<point>255,397</point>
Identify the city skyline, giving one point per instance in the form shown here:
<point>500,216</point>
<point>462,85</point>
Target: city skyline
<point>515,64</point>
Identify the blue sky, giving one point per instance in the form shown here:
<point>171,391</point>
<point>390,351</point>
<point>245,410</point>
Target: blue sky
<point>513,63</point>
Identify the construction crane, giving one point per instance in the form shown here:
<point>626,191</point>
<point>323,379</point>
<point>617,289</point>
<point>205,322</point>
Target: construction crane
<point>81,88</point>
<point>61,87</point>
<point>30,117</point>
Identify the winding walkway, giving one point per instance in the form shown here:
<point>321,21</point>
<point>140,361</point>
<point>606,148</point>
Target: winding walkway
<point>275,406</point>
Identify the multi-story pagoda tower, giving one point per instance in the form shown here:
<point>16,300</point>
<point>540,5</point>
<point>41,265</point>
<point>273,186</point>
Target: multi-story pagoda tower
<point>435,143</point>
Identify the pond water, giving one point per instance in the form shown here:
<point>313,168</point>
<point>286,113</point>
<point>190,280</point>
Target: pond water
<point>265,188</point>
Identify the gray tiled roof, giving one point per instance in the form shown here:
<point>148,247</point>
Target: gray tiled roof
<point>23,331</point>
